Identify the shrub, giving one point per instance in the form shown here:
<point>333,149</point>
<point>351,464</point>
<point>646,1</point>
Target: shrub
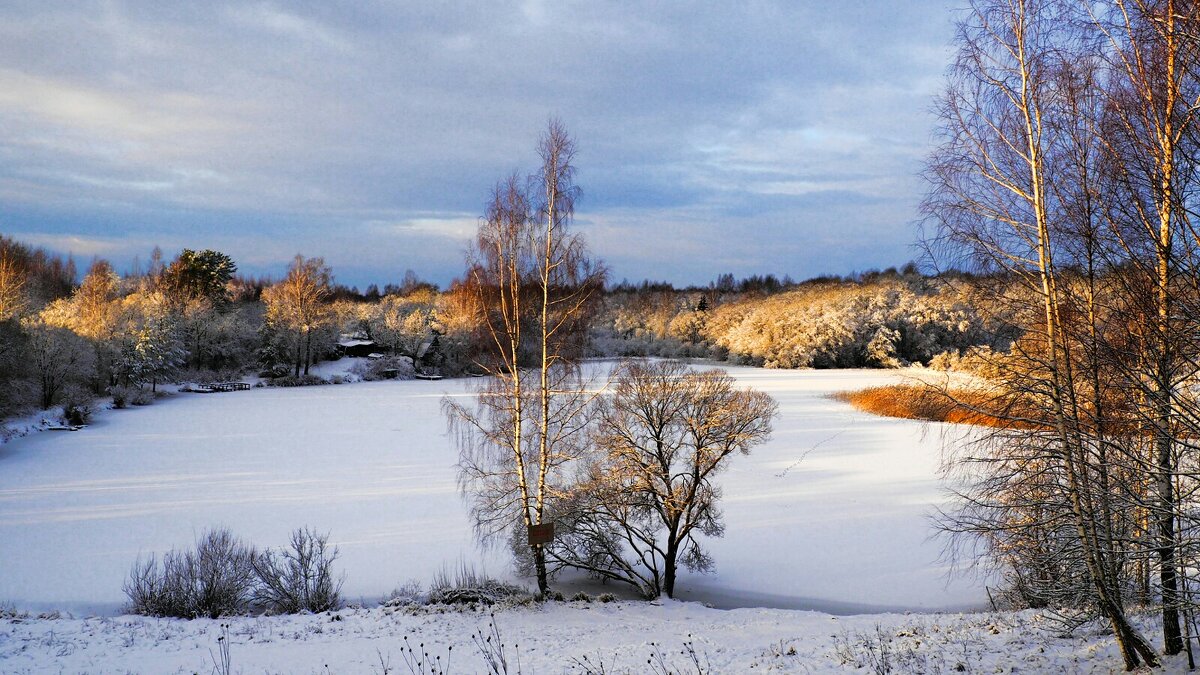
<point>299,578</point>
<point>8,612</point>
<point>409,593</point>
<point>77,406</point>
<point>302,381</point>
<point>216,579</point>
<point>224,574</point>
<point>275,372</point>
<point>956,406</point>
<point>125,396</point>
<point>466,586</point>
<point>386,368</point>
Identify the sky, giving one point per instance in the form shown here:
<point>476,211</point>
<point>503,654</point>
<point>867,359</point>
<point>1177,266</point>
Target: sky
<point>744,137</point>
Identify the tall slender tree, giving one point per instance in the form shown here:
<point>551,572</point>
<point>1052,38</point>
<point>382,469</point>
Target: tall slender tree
<point>536,286</point>
<point>1152,98</point>
<point>1000,196</point>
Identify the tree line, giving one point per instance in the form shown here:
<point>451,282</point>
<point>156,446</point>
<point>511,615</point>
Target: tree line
<point>193,317</point>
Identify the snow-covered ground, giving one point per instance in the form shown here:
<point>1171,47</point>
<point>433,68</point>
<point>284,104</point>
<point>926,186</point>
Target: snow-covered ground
<point>830,515</point>
<point>623,637</point>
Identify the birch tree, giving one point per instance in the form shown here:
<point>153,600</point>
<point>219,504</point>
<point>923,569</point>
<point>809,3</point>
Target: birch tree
<point>12,287</point>
<point>536,286</point>
<point>1152,100</point>
<point>997,201</point>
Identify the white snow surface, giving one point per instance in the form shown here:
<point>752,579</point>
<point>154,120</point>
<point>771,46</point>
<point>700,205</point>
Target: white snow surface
<point>625,637</point>
<point>830,515</point>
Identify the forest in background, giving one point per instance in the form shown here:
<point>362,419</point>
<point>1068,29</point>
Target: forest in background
<point>192,317</point>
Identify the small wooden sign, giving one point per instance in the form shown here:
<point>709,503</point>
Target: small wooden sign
<point>541,534</point>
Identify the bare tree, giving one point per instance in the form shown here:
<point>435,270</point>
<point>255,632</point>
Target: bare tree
<point>402,324</point>
<point>662,436</point>
<point>536,287</point>
<point>56,356</point>
<point>1152,101</point>
<point>12,305</point>
<point>12,287</point>
<point>1002,197</point>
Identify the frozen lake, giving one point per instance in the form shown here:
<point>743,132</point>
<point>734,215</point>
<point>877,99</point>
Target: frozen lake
<point>831,514</point>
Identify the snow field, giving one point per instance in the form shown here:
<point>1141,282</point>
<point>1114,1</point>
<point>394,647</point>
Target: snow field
<point>830,515</point>
<point>554,638</point>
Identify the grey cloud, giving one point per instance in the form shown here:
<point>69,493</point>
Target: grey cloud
<point>298,120</point>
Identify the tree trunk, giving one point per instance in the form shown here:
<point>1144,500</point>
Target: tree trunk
<point>307,351</point>
<point>539,564</point>
<point>1172,633</point>
<point>669,565</point>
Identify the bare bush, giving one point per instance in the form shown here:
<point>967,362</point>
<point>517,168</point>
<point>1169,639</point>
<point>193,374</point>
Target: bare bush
<point>299,578</point>
<point>120,396</point>
<point>411,592</point>
<point>465,585</point>
<point>298,381</point>
<point>78,407</point>
<point>155,590</point>
<point>216,579</point>
<point>123,396</point>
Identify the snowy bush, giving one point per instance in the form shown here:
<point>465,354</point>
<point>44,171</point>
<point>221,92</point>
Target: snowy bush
<point>905,649</point>
<point>225,576</point>
<point>125,396</point>
<point>982,361</point>
<point>883,323</point>
<point>120,396</point>
<point>216,579</point>
<point>299,578</point>
<point>142,396</point>
<point>388,367</point>
<point>409,593</point>
<point>301,381</point>
<point>77,406</point>
<point>465,585</point>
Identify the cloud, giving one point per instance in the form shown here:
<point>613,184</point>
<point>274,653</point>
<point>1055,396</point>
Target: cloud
<point>287,25</point>
<point>77,245</point>
<point>344,123</point>
<point>455,227</point>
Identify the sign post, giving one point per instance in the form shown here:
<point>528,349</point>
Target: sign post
<point>541,534</point>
